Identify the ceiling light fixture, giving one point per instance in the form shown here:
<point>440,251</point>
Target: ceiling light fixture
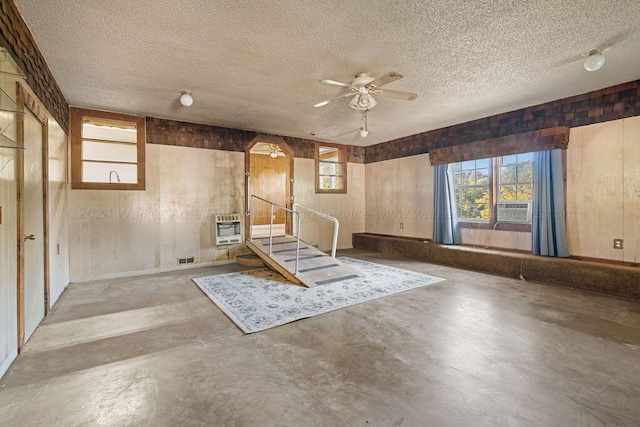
<point>594,61</point>
<point>186,98</point>
<point>274,151</point>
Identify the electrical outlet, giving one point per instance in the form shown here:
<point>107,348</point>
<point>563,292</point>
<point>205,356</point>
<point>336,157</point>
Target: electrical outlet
<point>58,249</point>
<point>618,244</point>
<point>402,226</point>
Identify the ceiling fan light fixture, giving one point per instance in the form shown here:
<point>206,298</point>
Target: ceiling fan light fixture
<point>595,60</point>
<point>364,133</point>
<point>186,98</point>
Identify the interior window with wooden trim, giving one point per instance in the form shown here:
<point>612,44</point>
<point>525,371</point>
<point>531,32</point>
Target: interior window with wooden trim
<point>331,168</point>
<point>107,150</point>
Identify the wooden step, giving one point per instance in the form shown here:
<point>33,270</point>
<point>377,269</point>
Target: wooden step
<point>249,260</point>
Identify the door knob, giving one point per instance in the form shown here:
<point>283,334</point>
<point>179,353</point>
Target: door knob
<point>29,237</point>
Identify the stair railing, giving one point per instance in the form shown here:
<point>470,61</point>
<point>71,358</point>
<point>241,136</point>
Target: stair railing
<point>336,225</point>
<point>284,208</point>
<point>296,232</point>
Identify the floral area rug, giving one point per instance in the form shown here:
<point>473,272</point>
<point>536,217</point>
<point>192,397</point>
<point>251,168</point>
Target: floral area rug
<point>261,299</point>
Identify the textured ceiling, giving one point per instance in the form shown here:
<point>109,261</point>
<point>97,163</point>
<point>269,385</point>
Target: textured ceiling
<point>255,65</point>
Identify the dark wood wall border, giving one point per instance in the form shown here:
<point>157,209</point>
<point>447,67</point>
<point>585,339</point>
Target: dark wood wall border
<point>17,39</point>
<point>612,103</point>
<point>194,135</point>
<point>537,140</point>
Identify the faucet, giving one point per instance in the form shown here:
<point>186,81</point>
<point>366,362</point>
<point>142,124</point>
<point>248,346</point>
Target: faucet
<point>117,176</point>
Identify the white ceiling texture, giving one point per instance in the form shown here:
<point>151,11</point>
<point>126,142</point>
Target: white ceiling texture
<point>256,65</point>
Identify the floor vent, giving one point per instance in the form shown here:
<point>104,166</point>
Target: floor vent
<point>188,260</point>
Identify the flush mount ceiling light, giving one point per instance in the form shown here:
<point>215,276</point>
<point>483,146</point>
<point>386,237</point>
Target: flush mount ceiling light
<point>186,98</point>
<point>594,61</point>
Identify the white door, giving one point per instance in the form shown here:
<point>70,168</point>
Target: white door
<point>33,226</point>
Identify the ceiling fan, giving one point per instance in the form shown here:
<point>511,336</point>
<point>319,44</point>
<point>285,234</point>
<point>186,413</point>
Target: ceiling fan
<point>363,88</point>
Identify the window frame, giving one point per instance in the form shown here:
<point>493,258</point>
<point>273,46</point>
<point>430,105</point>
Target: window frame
<point>77,116</point>
<point>492,224</point>
<point>342,160</point>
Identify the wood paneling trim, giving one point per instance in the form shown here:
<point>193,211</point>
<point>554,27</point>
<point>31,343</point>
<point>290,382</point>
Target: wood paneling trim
<point>342,158</point>
<point>195,135</point>
<point>545,139</point>
<point>19,177</point>
<point>76,150</point>
<point>612,103</point>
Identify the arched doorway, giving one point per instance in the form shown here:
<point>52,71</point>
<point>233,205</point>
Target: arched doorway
<point>269,174</point>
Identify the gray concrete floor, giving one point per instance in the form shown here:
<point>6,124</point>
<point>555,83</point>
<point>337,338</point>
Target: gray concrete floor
<point>472,350</point>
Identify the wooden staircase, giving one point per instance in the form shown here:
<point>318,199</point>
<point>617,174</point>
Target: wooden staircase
<point>315,267</point>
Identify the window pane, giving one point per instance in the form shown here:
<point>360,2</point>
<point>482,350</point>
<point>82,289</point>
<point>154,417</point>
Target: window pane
<point>100,172</point>
<point>507,175</point>
<point>109,152</point>
<point>509,160</point>
<point>525,192</point>
<point>482,176</point>
<point>524,173</point>
<point>468,165</point>
<point>508,192</point>
<point>463,178</point>
<point>124,133</point>
<point>525,157</point>
<point>336,183</point>
<point>482,163</point>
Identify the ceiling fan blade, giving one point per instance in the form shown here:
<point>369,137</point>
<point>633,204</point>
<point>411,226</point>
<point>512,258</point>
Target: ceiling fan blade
<point>408,96</point>
<point>335,98</point>
<point>386,79</point>
<point>335,83</point>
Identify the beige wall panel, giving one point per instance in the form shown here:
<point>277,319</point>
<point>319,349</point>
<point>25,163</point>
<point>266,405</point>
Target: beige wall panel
<point>631,219</point>
<point>601,160</point>
<point>400,191</point>
<point>576,233</point>
<point>120,233</point>
<point>58,205</point>
<point>348,208</point>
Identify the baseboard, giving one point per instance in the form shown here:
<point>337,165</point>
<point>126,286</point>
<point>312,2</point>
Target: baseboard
<point>8,361</point>
<point>120,275</point>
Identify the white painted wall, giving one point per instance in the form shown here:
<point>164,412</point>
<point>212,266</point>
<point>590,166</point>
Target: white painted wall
<point>603,190</point>
<point>122,233</point>
<point>348,208</point>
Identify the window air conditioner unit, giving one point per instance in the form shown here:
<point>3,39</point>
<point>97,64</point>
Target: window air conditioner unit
<point>514,211</point>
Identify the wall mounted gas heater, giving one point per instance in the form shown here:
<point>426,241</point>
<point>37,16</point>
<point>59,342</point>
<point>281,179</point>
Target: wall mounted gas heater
<point>228,229</point>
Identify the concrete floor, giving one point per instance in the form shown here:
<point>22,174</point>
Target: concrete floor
<point>472,350</point>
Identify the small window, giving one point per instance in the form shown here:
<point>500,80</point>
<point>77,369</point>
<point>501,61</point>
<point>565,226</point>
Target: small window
<point>107,150</point>
<point>331,168</point>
